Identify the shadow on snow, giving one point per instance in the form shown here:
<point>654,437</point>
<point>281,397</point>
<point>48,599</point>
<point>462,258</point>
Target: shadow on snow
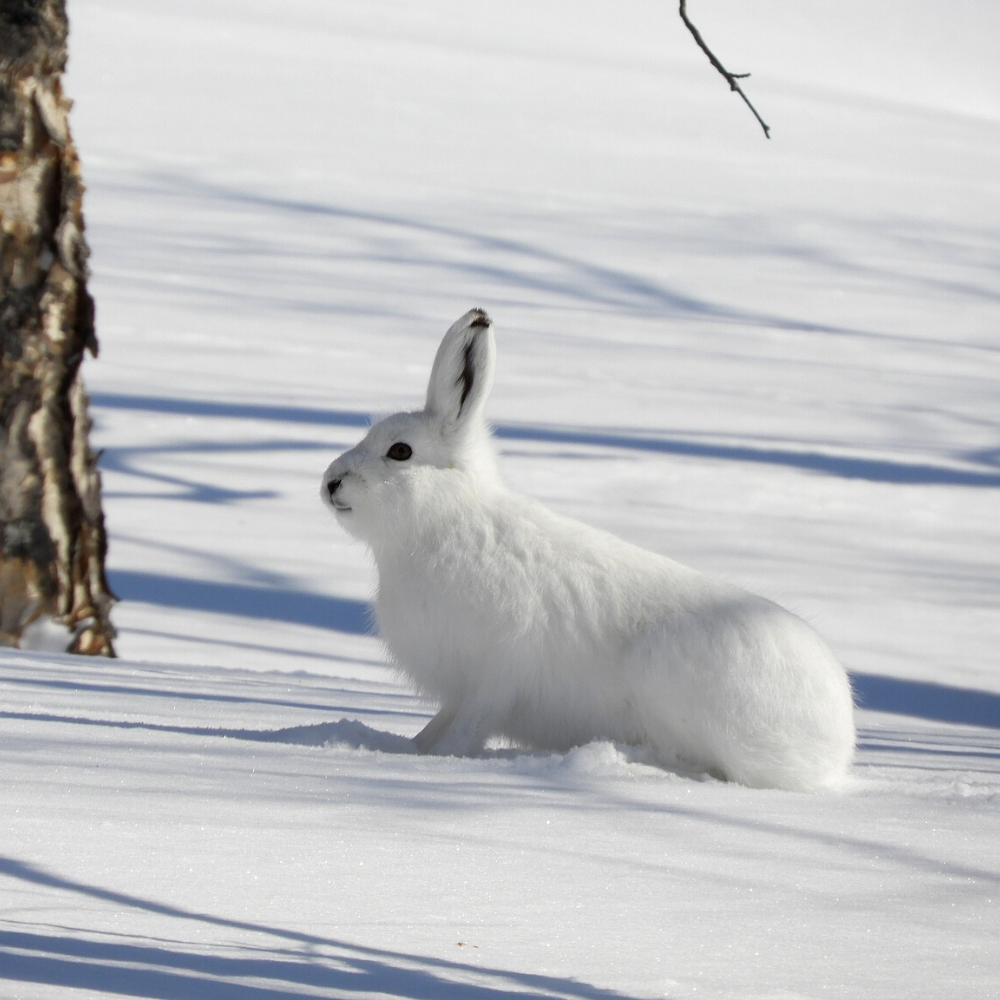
<point>840,466</point>
<point>921,699</point>
<point>298,607</point>
<point>296,968</point>
<point>885,694</point>
<point>925,700</point>
<point>346,732</point>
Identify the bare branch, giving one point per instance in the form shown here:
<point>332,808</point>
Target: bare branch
<point>731,78</point>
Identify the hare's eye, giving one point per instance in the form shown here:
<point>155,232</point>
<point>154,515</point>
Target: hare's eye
<point>399,452</point>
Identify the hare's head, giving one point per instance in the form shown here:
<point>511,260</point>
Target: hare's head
<point>413,466</point>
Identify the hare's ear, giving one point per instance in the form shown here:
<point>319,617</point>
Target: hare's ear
<point>462,372</point>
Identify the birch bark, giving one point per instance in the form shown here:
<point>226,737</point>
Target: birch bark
<point>52,537</point>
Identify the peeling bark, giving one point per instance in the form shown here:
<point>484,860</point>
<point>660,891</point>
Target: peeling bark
<point>52,537</point>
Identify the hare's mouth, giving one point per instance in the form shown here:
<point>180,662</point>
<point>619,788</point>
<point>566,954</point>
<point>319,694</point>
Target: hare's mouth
<point>341,508</point>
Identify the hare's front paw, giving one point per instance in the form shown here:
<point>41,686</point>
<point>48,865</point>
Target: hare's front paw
<point>454,732</point>
<point>434,730</point>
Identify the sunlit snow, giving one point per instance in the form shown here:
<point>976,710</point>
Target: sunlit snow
<point>773,360</point>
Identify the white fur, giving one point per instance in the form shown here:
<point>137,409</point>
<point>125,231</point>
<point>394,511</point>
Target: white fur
<point>530,625</point>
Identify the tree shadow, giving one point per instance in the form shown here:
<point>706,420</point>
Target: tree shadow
<point>232,411</point>
<point>899,696</point>
<point>839,466</point>
<point>278,252</point>
<point>451,253</point>
<point>926,700</point>
<point>825,463</point>
<point>873,692</point>
<point>179,694</point>
<point>297,967</point>
<point>456,253</point>
<point>123,461</point>
<point>345,732</point>
<point>342,614</point>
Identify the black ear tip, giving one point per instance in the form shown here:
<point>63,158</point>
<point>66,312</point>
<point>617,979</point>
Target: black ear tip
<point>479,318</point>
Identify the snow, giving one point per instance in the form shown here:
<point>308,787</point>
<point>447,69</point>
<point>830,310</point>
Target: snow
<point>773,360</point>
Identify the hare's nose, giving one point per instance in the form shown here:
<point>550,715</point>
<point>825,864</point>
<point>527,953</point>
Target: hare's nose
<point>333,486</point>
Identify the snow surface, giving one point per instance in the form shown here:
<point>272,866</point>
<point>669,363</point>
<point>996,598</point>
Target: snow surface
<point>774,360</point>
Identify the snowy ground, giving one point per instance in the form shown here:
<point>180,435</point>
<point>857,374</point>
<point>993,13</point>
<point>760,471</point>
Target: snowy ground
<point>777,361</point>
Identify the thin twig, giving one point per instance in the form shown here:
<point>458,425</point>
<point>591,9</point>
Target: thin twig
<point>731,78</point>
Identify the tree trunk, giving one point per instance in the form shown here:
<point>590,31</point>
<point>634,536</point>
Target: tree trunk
<point>53,543</point>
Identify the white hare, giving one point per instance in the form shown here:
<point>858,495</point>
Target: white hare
<point>523,623</point>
